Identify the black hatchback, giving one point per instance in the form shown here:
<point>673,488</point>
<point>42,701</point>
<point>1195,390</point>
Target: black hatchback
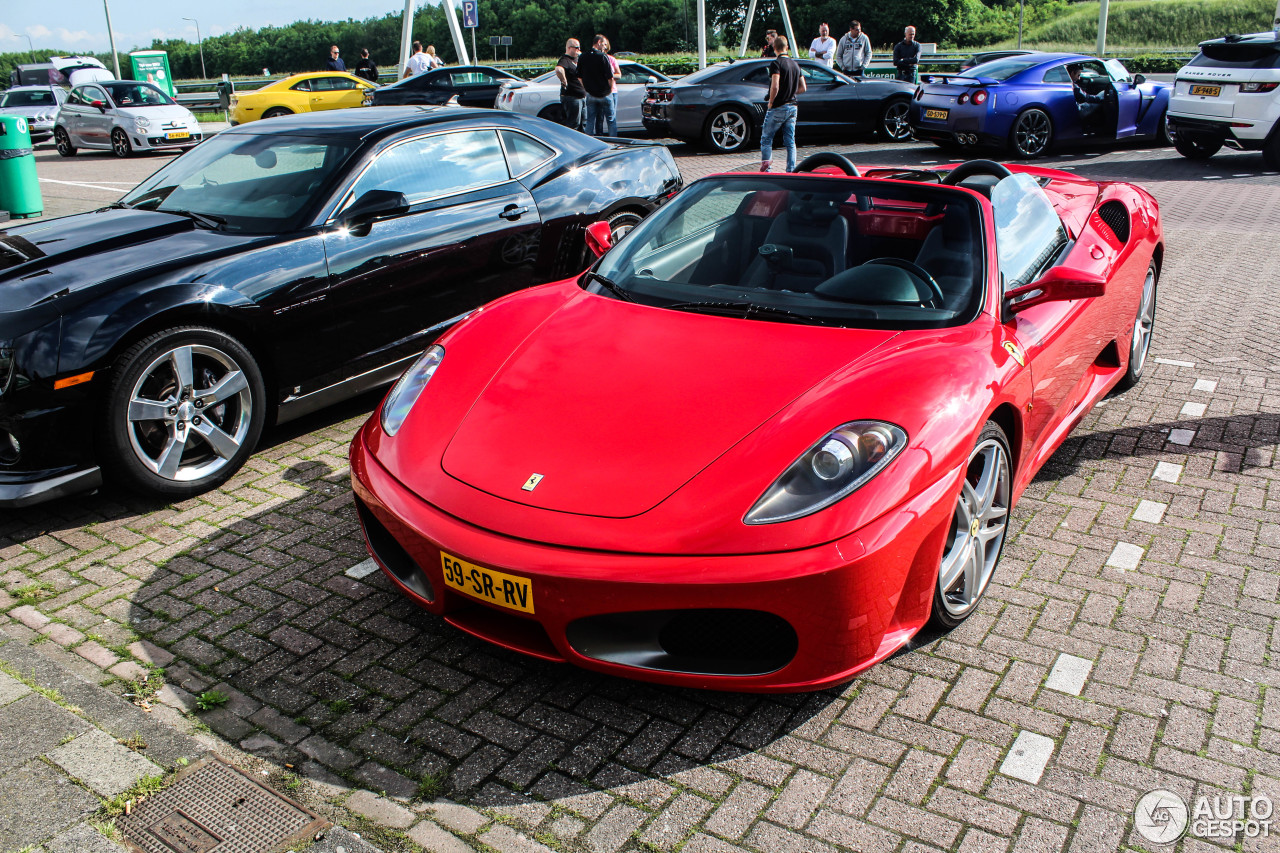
<point>475,86</point>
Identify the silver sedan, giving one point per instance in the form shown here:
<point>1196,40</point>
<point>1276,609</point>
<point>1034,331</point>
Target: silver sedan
<point>37,104</point>
<point>541,95</point>
<point>123,116</point>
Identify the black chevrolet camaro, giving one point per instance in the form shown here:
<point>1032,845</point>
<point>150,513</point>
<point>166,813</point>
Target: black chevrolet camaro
<point>723,105</point>
<point>276,268</point>
<point>474,85</point>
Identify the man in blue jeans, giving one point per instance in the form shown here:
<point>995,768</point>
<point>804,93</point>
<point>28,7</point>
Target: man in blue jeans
<point>785,82</point>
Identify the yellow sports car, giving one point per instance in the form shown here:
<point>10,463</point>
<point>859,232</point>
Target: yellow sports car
<point>301,93</point>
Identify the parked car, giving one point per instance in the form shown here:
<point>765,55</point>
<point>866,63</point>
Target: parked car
<point>124,117</point>
<point>33,74</point>
<point>723,105</point>
<point>279,267</point>
<point>541,95</point>
<point>473,85</point>
<point>76,70</point>
<point>989,56</point>
<point>301,93</point>
<point>1229,94</point>
<point>773,432</point>
<point>38,104</point>
<point>1027,105</point>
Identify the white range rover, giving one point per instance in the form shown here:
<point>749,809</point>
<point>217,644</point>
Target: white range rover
<point>1229,94</point>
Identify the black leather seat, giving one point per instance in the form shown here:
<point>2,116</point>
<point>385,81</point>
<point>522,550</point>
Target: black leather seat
<point>947,255</point>
<point>818,237</point>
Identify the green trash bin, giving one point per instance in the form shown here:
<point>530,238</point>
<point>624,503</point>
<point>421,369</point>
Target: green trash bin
<point>19,186</point>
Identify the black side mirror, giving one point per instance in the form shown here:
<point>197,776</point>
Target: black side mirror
<point>375,204</point>
<point>1139,79</point>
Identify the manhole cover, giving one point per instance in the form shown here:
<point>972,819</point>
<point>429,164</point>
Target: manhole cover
<point>216,808</point>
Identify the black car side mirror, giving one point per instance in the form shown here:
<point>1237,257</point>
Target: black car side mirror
<point>1139,79</point>
<point>374,204</point>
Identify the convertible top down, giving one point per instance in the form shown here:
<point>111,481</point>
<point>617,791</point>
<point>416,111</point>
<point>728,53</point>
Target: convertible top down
<point>773,432</point>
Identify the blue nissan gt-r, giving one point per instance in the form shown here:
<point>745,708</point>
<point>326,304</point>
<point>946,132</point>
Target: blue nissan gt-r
<point>1028,104</point>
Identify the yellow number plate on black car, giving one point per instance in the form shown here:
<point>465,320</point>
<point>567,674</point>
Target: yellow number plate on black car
<point>495,587</point>
<point>942,114</point>
<point>1207,91</point>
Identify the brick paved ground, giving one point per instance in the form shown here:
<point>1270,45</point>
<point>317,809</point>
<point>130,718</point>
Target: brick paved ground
<point>1128,641</point>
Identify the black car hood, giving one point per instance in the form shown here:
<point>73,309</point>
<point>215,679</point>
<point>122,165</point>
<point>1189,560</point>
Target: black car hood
<point>47,260</point>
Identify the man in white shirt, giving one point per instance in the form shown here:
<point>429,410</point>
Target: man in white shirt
<point>823,48</point>
<point>417,63</point>
<point>854,52</point>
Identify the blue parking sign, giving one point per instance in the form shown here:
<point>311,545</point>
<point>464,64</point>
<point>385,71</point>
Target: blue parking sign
<point>471,13</point>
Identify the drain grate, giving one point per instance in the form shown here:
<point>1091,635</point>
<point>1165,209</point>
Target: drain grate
<point>214,807</point>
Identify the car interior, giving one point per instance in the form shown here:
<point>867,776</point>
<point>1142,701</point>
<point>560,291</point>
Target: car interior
<point>1095,120</point>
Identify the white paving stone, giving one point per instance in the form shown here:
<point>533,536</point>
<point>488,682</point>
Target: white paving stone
<point>1069,674</point>
<point>1125,556</point>
<point>1150,511</point>
<point>1028,757</point>
<point>1206,385</point>
<point>1175,362</point>
<point>1192,410</point>
<point>1167,471</point>
<point>362,570</point>
<point>1182,436</point>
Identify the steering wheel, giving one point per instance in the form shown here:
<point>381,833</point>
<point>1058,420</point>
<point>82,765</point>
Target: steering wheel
<point>828,158</point>
<point>918,272</point>
<point>975,167</point>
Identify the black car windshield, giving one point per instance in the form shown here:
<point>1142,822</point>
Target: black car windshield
<point>255,182</point>
<point>137,95</point>
<point>28,98</point>
<point>826,251</point>
<point>1003,69</point>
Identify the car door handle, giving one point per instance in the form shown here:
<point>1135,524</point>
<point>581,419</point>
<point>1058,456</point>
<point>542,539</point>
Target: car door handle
<point>512,212</point>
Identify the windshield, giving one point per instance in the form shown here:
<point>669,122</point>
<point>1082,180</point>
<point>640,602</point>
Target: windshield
<point>257,183</point>
<point>42,98</point>
<point>1029,233</point>
<point>1003,69</point>
<point>137,95</point>
<point>859,253</point>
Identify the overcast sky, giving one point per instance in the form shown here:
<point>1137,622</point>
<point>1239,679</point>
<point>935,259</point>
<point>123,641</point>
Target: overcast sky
<point>81,25</point>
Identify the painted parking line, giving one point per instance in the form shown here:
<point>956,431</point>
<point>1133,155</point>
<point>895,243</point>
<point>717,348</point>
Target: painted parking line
<point>1126,556</point>
<point>86,186</point>
<point>1208,385</point>
<point>362,570</point>
<point>1175,363</point>
<point>1192,410</point>
<point>1183,437</point>
<point>1069,674</point>
<point>1028,757</point>
<point>1151,512</point>
<point>1169,472</point>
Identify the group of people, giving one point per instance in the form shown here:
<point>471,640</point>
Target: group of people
<point>589,87</point>
<point>421,61</point>
<point>852,53</point>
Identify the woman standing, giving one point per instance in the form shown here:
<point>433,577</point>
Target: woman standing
<point>613,93</point>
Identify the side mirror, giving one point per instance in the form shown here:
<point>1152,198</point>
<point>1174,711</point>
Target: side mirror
<point>1139,79</point>
<point>599,238</point>
<point>373,205</point>
<point>1059,284</point>
<point>102,108</point>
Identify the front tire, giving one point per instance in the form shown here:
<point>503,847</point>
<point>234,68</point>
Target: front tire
<point>1031,134</point>
<point>184,410</point>
<point>728,130</point>
<point>63,140</point>
<point>1143,324</point>
<point>1271,153</point>
<point>978,528</point>
<point>120,144</point>
<point>893,121</point>
<point>1195,147</point>
<point>553,112</point>
<point>276,112</point>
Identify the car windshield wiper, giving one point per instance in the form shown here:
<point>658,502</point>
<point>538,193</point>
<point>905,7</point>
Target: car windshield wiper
<point>208,220</point>
<point>749,309</point>
<point>611,286</point>
<point>119,205</point>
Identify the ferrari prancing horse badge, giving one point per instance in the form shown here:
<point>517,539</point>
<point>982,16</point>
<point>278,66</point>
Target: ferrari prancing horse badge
<point>532,483</point>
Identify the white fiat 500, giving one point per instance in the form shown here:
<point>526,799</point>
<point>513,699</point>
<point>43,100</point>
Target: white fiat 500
<point>123,116</point>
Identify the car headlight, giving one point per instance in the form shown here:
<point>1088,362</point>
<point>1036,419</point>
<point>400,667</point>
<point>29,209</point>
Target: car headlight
<point>142,124</point>
<point>841,462</point>
<point>402,397</point>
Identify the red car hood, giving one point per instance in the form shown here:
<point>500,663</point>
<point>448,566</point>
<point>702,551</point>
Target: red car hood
<point>618,405</point>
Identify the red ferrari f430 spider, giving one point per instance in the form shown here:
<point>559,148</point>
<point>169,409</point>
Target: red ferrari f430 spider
<point>773,432</point>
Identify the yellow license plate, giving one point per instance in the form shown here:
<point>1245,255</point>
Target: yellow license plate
<point>177,134</point>
<point>495,587</point>
<point>1207,91</point>
<point>941,114</point>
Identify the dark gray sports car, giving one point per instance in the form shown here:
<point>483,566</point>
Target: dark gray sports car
<point>724,105</point>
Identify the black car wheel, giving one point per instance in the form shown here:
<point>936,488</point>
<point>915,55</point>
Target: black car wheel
<point>1032,133</point>
<point>1164,136</point>
<point>893,121</point>
<point>184,409</point>
<point>120,143</point>
<point>729,130</point>
<point>276,112</point>
<point>1140,343</point>
<point>63,141</point>
<point>1271,153</point>
<point>1195,147</point>
<point>554,112</point>
<point>978,528</point>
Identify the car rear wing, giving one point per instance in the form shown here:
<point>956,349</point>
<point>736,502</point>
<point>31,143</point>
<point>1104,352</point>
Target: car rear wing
<point>952,79</point>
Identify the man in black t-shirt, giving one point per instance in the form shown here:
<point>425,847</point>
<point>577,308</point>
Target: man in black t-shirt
<point>785,83</point>
<point>572,94</point>
<point>365,68</point>
<point>906,55</point>
<point>597,79</point>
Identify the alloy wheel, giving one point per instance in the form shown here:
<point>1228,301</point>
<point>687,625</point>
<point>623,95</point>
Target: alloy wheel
<point>978,529</point>
<point>63,141</point>
<point>894,122</point>
<point>729,130</point>
<point>120,143</point>
<point>1143,325</point>
<point>189,413</point>
<point>1031,133</point>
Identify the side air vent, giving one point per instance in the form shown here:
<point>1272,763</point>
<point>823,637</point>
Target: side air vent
<point>1116,217</point>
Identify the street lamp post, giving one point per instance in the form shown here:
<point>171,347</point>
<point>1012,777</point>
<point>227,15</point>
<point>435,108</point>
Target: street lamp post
<point>203,74</point>
<point>30,47</point>
<point>111,35</point>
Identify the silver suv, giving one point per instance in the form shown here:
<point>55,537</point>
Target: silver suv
<point>1229,94</point>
